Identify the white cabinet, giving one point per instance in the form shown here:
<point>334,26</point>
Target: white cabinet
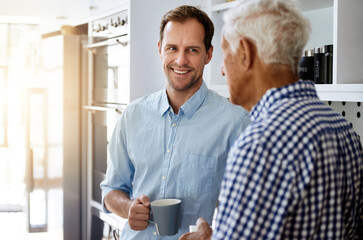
<point>99,7</point>
<point>337,22</point>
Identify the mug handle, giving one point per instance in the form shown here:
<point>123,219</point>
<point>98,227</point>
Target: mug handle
<point>151,218</point>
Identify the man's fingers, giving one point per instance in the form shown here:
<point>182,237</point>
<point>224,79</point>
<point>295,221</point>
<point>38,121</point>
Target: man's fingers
<point>144,200</point>
<point>138,216</point>
<point>138,225</point>
<point>194,236</point>
<point>204,232</point>
<point>185,236</point>
<point>203,226</point>
<point>202,223</point>
<point>141,224</point>
<point>139,209</point>
<point>139,213</point>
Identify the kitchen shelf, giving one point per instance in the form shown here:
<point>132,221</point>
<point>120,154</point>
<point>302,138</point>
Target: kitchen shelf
<point>326,92</point>
<point>340,92</point>
<point>336,22</point>
<point>224,6</point>
<point>306,5</point>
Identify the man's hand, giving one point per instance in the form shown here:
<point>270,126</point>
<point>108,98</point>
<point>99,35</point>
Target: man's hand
<point>204,232</point>
<point>139,213</point>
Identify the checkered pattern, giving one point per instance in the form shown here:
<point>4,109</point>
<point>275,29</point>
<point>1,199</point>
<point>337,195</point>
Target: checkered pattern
<point>295,173</point>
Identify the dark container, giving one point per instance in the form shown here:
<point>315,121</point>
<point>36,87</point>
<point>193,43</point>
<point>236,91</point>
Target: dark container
<point>306,66</point>
<point>319,65</point>
<point>328,59</point>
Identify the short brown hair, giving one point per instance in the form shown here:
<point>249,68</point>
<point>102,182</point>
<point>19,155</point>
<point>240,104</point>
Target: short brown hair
<point>184,13</point>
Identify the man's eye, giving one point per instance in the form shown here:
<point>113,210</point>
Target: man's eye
<point>192,50</point>
<point>172,48</point>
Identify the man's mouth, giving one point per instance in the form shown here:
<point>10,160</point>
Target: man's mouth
<point>180,71</point>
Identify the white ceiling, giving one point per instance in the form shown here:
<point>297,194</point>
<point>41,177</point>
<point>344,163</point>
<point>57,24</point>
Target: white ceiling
<point>52,14</point>
<point>46,12</point>
<point>69,9</point>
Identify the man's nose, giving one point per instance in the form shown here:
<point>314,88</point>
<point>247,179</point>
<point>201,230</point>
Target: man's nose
<point>222,71</point>
<point>182,58</point>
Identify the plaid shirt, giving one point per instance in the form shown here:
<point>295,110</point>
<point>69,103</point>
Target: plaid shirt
<point>295,173</point>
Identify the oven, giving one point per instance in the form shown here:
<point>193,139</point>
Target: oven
<point>110,64</point>
<point>110,95</point>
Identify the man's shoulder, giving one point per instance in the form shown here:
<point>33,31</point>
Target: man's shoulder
<point>146,101</point>
<point>224,104</point>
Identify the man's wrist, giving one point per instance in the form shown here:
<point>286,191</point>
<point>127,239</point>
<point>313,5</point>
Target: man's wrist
<point>129,207</point>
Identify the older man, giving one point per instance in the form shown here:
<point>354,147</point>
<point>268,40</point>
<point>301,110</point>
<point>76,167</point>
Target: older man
<point>296,171</point>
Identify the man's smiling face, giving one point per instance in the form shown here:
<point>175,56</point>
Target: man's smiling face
<point>183,54</point>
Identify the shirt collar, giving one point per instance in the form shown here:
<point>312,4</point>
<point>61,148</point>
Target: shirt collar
<point>190,106</point>
<point>298,90</point>
<point>164,103</point>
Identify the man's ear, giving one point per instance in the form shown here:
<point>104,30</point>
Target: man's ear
<point>159,46</point>
<point>248,52</point>
<point>209,55</point>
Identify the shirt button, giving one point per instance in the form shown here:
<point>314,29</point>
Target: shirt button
<point>164,177</point>
<point>174,124</point>
<point>168,151</point>
<point>154,233</point>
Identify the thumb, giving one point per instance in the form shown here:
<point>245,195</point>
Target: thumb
<point>144,200</point>
<point>203,225</point>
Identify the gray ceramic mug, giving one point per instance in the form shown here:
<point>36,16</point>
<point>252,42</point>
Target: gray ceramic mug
<point>165,216</point>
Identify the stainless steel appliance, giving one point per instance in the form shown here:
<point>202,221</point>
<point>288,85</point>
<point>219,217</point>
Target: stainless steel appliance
<point>110,60</point>
<point>110,95</point>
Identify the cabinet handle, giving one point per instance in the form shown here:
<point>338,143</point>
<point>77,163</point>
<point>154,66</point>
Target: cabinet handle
<point>122,43</point>
<point>108,42</point>
<point>103,109</point>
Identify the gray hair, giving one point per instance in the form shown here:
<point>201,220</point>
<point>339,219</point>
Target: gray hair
<point>277,28</point>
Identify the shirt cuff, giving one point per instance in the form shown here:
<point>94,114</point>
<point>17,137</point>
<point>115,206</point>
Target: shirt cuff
<point>104,193</point>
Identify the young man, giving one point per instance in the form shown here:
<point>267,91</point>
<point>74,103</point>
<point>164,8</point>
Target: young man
<point>173,143</point>
<point>296,171</point>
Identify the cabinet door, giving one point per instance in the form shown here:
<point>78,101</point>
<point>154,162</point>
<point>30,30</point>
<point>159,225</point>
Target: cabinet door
<point>348,34</point>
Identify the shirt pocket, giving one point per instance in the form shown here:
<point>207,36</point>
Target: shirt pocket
<point>197,175</point>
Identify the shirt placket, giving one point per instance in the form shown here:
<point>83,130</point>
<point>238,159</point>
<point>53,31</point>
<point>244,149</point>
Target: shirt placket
<point>173,126</point>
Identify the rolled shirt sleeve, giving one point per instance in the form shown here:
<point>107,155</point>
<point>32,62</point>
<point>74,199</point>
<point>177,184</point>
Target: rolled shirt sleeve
<point>120,170</point>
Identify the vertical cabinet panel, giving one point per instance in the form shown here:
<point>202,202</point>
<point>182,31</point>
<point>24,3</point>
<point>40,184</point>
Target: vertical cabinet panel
<point>72,159</point>
<point>349,36</point>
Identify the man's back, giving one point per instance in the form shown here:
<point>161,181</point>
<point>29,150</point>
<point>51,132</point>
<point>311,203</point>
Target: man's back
<point>329,189</point>
<point>304,179</point>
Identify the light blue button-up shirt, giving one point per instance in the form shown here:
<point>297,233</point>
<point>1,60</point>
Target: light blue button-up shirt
<point>165,155</point>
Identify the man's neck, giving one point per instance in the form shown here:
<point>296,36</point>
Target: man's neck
<point>178,98</point>
<point>270,76</point>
